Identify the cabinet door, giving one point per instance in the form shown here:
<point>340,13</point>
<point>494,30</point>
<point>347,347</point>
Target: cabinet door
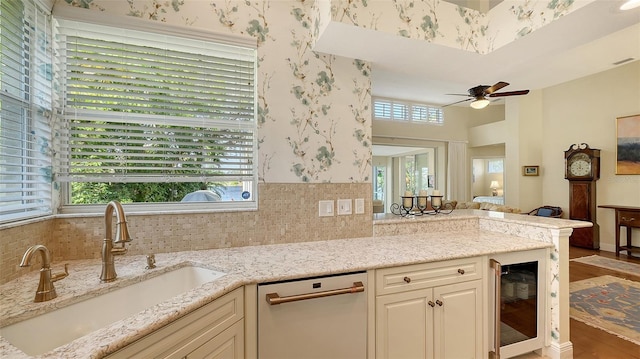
<point>458,320</point>
<point>185,334</point>
<point>227,345</point>
<point>404,325</point>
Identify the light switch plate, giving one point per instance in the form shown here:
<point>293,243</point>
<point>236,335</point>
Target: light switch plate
<point>359,205</point>
<point>325,208</point>
<point>344,207</point>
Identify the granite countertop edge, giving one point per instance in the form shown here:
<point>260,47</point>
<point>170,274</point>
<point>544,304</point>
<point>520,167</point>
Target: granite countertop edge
<point>471,214</point>
<point>242,265</point>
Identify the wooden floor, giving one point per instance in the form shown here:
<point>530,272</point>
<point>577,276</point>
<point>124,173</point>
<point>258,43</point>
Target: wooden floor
<point>589,342</point>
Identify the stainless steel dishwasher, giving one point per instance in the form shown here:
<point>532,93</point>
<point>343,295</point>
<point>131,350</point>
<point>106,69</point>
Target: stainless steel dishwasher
<point>313,318</point>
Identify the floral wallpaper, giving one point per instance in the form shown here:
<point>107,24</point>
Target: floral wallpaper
<point>444,23</point>
<point>314,116</point>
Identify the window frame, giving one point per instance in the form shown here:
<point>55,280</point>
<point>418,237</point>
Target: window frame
<point>407,111</point>
<point>81,15</point>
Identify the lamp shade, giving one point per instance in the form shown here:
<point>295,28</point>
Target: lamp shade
<point>479,103</point>
<point>494,185</point>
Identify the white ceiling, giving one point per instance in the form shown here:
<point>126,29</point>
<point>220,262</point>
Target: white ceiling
<point>584,42</point>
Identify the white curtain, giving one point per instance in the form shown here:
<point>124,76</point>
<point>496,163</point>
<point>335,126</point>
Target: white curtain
<point>457,186</point>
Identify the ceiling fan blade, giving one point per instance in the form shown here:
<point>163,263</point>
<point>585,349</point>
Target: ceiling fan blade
<point>469,99</point>
<point>496,87</point>
<point>458,94</point>
<point>510,93</point>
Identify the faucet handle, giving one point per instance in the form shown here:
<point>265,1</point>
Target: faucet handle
<point>58,276</point>
<point>116,251</point>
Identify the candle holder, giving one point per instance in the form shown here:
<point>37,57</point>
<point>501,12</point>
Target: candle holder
<point>422,203</point>
<point>405,209</point>
<point>439,207</point>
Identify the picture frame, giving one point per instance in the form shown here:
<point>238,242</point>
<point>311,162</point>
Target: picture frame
<point>530,170</point>
<point>628,145</point>
<point>431,180</point>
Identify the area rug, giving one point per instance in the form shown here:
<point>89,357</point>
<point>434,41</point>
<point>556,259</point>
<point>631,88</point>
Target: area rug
<point>608,303</point>
<point>608,263</point>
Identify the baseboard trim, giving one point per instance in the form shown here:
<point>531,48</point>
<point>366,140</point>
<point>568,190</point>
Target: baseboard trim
<point>560,351</point>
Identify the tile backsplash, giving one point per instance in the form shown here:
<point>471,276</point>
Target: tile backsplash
<point>287,213</point>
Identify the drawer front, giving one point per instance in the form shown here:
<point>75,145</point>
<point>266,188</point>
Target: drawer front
<point>629,218</point>
<point>426,275</point>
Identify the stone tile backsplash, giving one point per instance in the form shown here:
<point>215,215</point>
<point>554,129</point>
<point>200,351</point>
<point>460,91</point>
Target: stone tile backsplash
<point>287,213</point>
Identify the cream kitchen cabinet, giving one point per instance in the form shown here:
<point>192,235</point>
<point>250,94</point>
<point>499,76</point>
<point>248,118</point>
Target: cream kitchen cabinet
<point>431,310</point>
<point>214,331</point>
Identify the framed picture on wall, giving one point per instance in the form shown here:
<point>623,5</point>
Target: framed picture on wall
<point>530,170</point>
<point>628,145</point>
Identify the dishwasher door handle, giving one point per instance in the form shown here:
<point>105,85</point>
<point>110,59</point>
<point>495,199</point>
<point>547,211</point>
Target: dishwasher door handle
<point>274,298</point>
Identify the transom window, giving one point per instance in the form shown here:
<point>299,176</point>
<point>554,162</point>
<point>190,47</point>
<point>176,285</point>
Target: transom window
<point>396,110</point>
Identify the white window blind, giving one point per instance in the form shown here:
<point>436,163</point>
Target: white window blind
<point>143,107</point>
<point>386,109</point>
<point>25,108</point>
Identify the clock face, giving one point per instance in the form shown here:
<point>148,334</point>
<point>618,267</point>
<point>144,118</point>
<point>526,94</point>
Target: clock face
<point>580,165</point>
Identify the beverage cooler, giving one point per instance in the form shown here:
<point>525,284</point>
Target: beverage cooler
<point>517,301</point>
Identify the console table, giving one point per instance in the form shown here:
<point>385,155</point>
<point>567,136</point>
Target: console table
<point>629,217</point>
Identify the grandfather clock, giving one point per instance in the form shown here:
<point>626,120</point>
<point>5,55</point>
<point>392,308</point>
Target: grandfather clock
<point>582,169</point>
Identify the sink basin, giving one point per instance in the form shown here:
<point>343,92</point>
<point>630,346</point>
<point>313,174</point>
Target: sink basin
<point>48,331</point>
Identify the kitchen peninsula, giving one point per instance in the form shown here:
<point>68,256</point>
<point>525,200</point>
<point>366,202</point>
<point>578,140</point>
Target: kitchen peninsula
<point>396,242</point>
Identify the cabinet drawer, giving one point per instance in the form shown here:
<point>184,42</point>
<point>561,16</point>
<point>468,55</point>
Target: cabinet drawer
<point>189,332</point>
<point>629,218</point>
<point>226,345</point>
<point>418,276</point>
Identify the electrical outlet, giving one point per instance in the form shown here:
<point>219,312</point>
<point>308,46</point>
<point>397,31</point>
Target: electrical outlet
<point>325,208</point>
<point>344,206</point>
<point>359,205</point>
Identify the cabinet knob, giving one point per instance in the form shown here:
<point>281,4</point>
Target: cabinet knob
<point>407,279</point>
<point>439,302</point>
<point>461,271</point>
<point>432,304</point>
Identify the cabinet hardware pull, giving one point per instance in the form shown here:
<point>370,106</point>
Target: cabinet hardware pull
<point>407,279</point>
<point>432,304</point>
<point>274,298</point>
<point>439,302</point>
<point>461,271</point>
<point>628,219</point>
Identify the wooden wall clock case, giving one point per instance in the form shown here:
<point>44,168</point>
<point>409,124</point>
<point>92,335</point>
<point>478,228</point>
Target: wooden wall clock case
<point>582,170</point>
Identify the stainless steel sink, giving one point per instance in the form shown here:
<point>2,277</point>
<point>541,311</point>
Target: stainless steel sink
<point>48,331</point>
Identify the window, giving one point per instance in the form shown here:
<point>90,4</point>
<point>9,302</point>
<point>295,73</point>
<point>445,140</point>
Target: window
<point>25,109</point>
<point>495,166</point>
<point>379,182</point>
<point>148,117</point>
<point>385,109</point>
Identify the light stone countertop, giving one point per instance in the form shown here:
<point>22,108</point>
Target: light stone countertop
<point>245,265</point>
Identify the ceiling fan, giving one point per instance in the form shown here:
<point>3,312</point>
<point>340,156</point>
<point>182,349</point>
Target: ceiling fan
<point>479,94</point>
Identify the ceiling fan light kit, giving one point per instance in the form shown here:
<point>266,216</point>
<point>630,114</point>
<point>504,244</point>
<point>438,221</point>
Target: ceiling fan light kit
<point>478,94</point>
<point>479,103</point>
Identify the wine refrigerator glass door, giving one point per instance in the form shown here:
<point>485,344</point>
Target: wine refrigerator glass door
<point>518,304</point>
